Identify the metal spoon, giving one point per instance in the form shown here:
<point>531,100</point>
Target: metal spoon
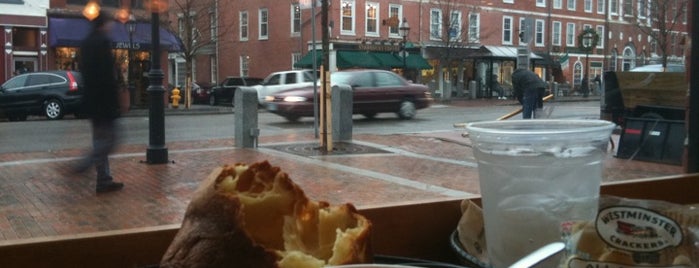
<point>539,255</point>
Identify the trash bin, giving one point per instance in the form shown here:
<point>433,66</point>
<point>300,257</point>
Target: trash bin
<point>653,140</point>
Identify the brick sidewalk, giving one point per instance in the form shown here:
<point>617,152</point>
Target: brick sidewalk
<point>37,201</point>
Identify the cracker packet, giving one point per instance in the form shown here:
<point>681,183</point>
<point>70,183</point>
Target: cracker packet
<point>630,233</point>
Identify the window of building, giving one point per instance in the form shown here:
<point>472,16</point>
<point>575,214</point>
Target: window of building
<point>613,60</point>
<point>213,24</point>
<point>395,11</point>
<point>521,29</point>
<point>243,25</point>
<point>244,65</point>
<point>600,6</point>
<point>587,5</point>
<point>614,7</point>
<point>506,30</point>
<point>295,19</point>
<point>627,8</point>
<point>643,9</point>
<point>474,26</point>
<point>629,59</point>
<point>508,1</point>
<point>556,34</point>
<point>347,15</point>
<point>263,24</point>
<point>557,4</point>
<point>295,57</point>
<point>570,34</point>
<point>436,24</point>
<point>455,26</point>
<point>372,19</point>
<point>600,33</point>
<point>213,69</point>
<point>541,3</point>
<point>571,4</point>
<point>539,33</point>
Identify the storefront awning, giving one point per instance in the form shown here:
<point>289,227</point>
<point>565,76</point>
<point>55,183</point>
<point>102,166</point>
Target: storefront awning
<point>70,32</point>
<point>507,52</point>
<point>367,59</point>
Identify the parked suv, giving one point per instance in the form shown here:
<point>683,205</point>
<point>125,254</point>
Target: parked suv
<point>225,91</point>
<point>52,94</point>
<point>284,80</point>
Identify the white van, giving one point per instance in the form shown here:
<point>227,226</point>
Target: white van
<point>283,80</point>
<point>671,68</point>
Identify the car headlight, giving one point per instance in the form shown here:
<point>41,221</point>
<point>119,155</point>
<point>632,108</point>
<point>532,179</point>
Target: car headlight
<point>269,98</point>
<point>294,99</point>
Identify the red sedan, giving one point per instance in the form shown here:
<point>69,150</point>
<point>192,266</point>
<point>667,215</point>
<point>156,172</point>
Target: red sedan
<point>374,91</point>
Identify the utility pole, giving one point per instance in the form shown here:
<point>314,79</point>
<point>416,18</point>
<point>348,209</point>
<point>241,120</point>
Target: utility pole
<point>325,140</point>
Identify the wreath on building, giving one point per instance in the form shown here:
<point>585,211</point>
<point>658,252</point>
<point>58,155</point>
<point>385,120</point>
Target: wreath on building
<point>593,42</point>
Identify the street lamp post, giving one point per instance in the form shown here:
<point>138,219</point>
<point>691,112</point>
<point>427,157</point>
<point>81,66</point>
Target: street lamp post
<point>131,27</point>
<point>587,44</point>
<point>404,30</point>
<point>157,151</point>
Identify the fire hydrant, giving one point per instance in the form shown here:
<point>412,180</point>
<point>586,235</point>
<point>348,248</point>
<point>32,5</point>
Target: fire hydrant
<point>175,98</point>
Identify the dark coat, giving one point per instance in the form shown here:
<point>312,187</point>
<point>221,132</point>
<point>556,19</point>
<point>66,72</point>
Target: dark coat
<point>526,82</point>
<point>98,68</point>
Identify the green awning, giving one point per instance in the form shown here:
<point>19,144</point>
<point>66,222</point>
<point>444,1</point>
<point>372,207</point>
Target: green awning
<point>415,61</point>
<point>389,59</point>
<point>357,59</point>
<point>367,59</point>
<point>307,62</point>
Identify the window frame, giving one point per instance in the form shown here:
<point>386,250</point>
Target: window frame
<point>243,25</point>
<point>507,30</point>
<point>570,34</point>
<point>557,4</point>
<point>571,5</point>
<point>393,31</point>
<point>367,19</point>
<point>539,33</point>
<point>600,6</point>
<point>474,32</point>
<point>436,26</point>
<point>458,25</point>
<point>352,17</point>
<point>556,33</point>
<point>587,6</point>
<point>263,24</point>
<point>295,19</point>
<point>600,33</point>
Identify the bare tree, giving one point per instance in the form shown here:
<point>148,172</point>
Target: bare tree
<point>198,26</point>
<point>458,27</point>
<point>660,20</point>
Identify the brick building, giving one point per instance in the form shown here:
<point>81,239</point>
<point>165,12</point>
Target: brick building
<point>270,35</point>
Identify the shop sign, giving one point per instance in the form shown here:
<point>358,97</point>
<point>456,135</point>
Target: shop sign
<point>126,45</point>
<point>378,47</point>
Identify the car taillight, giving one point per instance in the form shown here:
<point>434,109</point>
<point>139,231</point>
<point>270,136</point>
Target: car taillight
<point>72,83</point>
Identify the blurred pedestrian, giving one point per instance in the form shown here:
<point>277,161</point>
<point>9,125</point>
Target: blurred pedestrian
<point>99,72</point>
<point>528,89</point>
<point>585,87</point>
<point>598,84</point>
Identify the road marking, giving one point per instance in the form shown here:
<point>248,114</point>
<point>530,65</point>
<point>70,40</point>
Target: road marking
<point>372,174</point>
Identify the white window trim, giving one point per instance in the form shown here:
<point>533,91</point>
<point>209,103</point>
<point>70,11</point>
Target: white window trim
<point>438,35</point>
<point>213,20</point>
<point>458,26</point>
<point>600,33</point>
<point>575,3</point>
<point>541,3</point>
<point>590,7</point>
<point>242,24</point>
<point>555,34</point>
<point>477,38</point>
<point>508,1</point>
<point>600,6</point>
<point>377,19</point>
<point>642,15</point>
<point>400,18</point>
<point>354,18</point>
<point>521,29</point>
<point>613,7</point>
<point>537,32</point>
<point>244,62</point>
<point>292,12</point>
<point>570,36</point>
<point>504,30</point>
<point>558,4</point>
<point>260,23</point>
